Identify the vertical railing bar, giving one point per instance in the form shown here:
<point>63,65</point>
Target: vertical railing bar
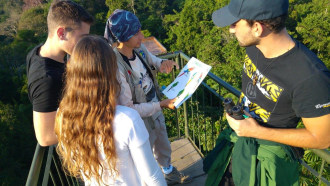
<point>192,118</point>
<point>185,119</point>
<point>198,126</point>
<point>184,107</point>
<point>72,180</point>
<point>321,171</point>
<point>52,177</point>
<point>205,140</point>
<point>221,110</point>
<point>212,131</point>
<point>212,123</point>
<point>36,164</point>
<point>58,171</point>
<point>177,60</point>
<point>77,181</point>
<point>48,165</point>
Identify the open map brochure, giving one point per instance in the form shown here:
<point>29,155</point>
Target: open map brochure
<point>188,80</point>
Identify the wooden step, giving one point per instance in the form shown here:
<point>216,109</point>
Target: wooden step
<point>187,160</point>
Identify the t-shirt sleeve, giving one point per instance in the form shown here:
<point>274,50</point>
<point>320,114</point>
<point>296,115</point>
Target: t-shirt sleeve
<point>311,98</point>
<point>45,94</point>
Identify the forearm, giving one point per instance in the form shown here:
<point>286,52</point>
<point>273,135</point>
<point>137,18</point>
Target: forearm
<point>314,135</point>
<point>293,137</point>
<point>146,109</point>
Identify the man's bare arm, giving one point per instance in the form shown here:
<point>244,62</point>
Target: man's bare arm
<point>44,123</point>
<point>314,135</point>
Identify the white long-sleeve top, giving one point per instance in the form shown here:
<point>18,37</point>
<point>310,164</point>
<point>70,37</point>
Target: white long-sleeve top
<point>136,163</point>
<point>125,97</point>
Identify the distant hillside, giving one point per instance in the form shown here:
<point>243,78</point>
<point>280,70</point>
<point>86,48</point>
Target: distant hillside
<point>10,13</point>
<point>31,3</point>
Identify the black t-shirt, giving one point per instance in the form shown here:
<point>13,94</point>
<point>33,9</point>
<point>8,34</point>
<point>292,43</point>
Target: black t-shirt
<point>45,81</point>
<point>293,85</point>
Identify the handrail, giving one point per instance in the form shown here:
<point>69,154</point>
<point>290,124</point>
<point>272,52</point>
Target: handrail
<point>198,139</point>
<point>52,168</point>
<point>322,153</point>
<point>35,166</point>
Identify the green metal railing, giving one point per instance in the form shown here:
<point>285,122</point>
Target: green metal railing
<point>51,168</point>
<point>199,119</point>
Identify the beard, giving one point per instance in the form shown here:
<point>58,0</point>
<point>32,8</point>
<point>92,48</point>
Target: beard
<point>248,40</point>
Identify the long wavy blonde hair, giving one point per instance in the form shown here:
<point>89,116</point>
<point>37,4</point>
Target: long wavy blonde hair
<point>85,116</point>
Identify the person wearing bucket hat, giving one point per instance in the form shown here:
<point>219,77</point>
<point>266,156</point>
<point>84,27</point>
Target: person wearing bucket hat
<point>139,87</point>
<point>283,82</point>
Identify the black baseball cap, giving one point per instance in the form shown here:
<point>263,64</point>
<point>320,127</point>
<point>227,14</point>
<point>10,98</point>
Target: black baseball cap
<point>249,9</point>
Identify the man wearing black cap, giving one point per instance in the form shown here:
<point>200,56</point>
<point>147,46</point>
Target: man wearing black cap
<point>139,87</point>
<point>283,82</point>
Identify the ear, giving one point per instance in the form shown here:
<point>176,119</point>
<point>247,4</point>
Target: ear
<point>258,29</point>
<point>60,33</point>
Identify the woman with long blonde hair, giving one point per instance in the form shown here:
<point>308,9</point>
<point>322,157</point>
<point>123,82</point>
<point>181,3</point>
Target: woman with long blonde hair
<point>99,141</point>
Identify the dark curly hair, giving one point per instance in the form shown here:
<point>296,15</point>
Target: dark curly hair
<point>275,24</point>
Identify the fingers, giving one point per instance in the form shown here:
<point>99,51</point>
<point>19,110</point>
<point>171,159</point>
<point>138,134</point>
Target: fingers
<point>167,66</point>
<point>171,105</point>
<point>175,64</point>
<point>168,103</point>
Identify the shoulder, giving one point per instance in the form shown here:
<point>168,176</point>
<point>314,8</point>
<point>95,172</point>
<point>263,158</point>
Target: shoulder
<point>40,67</point>
<point>299,65</point>
<point>33,52</point>
<point>308,59</point>
<point>126,114</point>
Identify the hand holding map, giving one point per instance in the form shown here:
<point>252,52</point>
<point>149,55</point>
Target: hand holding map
<point>188,80</point>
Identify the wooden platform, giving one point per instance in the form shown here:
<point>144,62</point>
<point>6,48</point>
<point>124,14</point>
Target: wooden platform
<point>188,160</point>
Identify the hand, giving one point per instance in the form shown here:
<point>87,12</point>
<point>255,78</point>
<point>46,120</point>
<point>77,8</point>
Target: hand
<point>247,127</point>
<point>167,66</point>
<point>168,103</point>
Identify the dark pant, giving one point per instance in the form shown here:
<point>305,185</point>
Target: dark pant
<point>227,178</point>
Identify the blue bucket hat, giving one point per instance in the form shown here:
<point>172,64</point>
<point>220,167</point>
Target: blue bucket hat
<point>249,9</point>
<point>121,26</point>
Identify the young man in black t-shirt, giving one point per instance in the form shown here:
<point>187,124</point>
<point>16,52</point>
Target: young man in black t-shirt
<point>67,22</point>
<point>283,82</point>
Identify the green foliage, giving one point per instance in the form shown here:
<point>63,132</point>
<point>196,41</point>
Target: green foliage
<point>193,32</point>
<point>118,4</point>
<point>309,23</point>
<point>314,162</point>
<point>34,19</point>
<point>98,9</point>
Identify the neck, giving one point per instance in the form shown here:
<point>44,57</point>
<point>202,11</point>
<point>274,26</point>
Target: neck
<point>52,50</point>
<point>125,50</point>
<point>274,45</point>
